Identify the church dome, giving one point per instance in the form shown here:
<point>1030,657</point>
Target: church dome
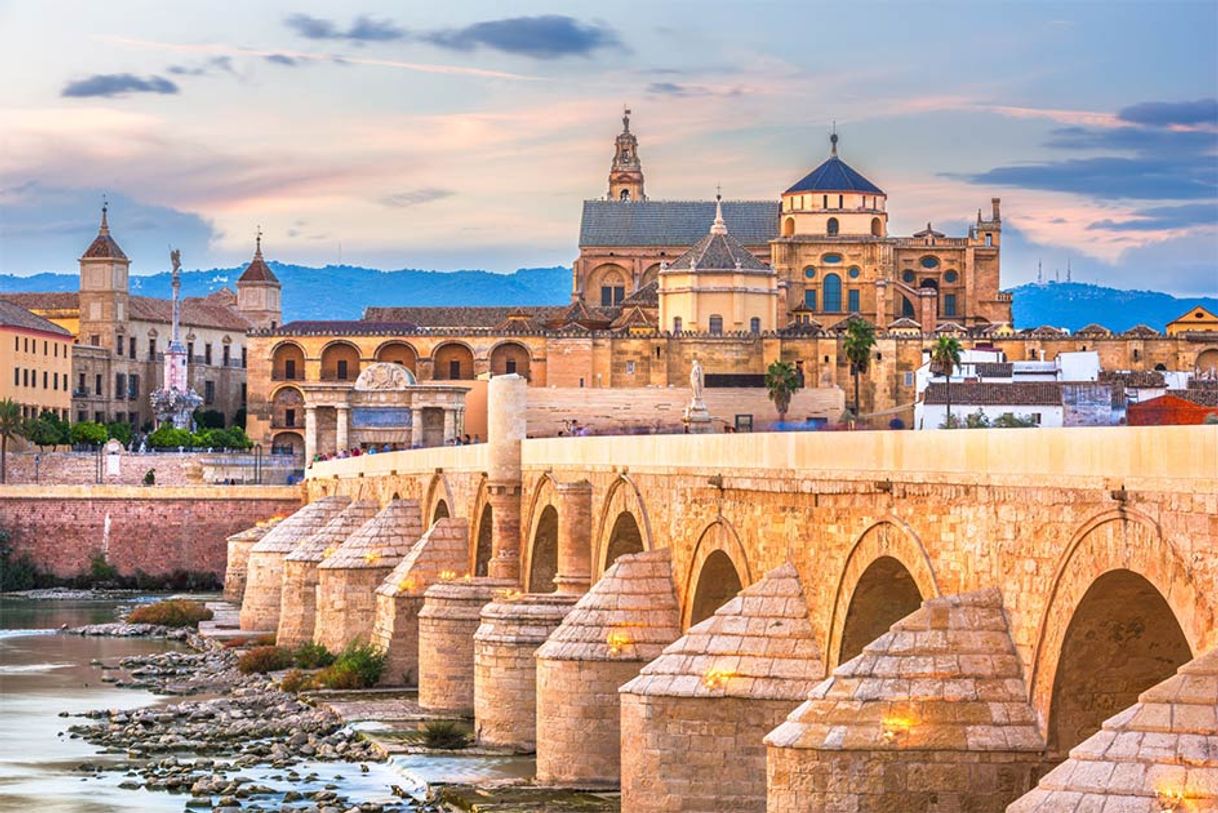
<point>834,175</point>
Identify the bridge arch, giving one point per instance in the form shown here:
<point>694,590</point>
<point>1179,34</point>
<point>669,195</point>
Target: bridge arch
<point>1122,615</point>
<point>623,526</point>
<point>718,570</point>
<point>481,529</point>
<point>439,501</point>
<point>541,541</point>
<point>887,575</point>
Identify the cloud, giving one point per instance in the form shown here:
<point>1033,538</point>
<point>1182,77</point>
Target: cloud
<point>363,29</point>
<point>1166,114</point>
<point>549,36</point>
<point>675,89</point>
<point>282,59</point>
<point>414,197</point>
<point>117,84</point>
<point>1164,217</point>
<point>218,63</point>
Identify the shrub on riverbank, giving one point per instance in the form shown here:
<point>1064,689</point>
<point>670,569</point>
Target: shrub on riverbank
<point>358,667</point>
<point>312,656</point>
<point>297,681</point>
<point>444,735</point>
<point>175,612</point>
<point>264,659</point>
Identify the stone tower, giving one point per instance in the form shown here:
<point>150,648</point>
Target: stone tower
<point>258,292</point>
<point>626,175</point>
<point>103,289</point>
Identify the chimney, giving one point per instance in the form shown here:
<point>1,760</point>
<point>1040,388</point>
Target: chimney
<point>994,202</point>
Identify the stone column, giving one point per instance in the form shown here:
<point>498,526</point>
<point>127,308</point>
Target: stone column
<point>506,400</point>
<point>343,418</point>
<point>460,413</point>
<point>450,424</point>
<point>882,315</point>
<point>416,425</point>
<point>310,433</point>
<point>574,537</point>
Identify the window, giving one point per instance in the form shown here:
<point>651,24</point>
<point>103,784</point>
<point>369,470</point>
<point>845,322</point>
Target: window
<point>630,368</point>
<point>190,350</point>
<point>831,226</point>
<point>612,295</point>
<point>95,340</point>
<point>839,201</point>
<point>209,392</point>
<point>131,347</point>
<point>242,357</point>
<point>25,376</point>
<point>831,259</point>
<point>99,417</point>
<point>951,276</point>
<point>454,369</point>
<point>342,369</point>
<point>810,272</point>
<point>908,276</point>
<point>207,353</point>
<point>854,272</point>
<point>510,366</point>
<point>289,417</point>
<point>45,378</point>
<point>625,194</point>
<point>152,349</point>
<point>119,345</point>
<point>80,383</point>
<point>289,369</point>
<point>55,381</point>
<point>930,262</point>
<point>754,325</point>
<point>81,416</point>
<point>27,344</point>
<point>16,344</point>
<point>989,240</point>
<point>244,388</point>
<point>1036,418</point>
<point>133,387</point>
<point>676,324</point>
<point>44,347</point>
<point>228,352</point>
<point>715,323</point>
<point>824,201</point>
<point>833,293</point>
<point>949,304</point>
<point>852,301</point>
<point>120,385</point>
<point>909,378</point>
<point>810,299</point>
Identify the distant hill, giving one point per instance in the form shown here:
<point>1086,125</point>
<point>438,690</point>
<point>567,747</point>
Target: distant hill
<point>343,291</point>
<point>1073,305</point>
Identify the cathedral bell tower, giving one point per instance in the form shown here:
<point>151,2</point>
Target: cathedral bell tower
<point>626,175</point>
<point>103,289</point>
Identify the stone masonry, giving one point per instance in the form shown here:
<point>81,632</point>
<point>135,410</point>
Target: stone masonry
<point>239,545</point>
<point>450,616</point>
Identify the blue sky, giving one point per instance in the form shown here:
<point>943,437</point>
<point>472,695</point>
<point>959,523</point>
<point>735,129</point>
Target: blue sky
<point>464,135</point>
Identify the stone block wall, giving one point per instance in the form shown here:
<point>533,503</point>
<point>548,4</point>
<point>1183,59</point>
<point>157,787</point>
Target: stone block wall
<point>450,616</point>
<point>346,605</point>
<point>153,530</point>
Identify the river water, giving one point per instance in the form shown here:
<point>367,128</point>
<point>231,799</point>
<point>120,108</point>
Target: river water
<point>43,673</point>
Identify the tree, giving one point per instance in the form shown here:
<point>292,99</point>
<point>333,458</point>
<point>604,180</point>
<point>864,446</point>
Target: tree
<point>944,359</point>
<point>12,424</point>
<point>782,382</point>
<point>860,339</point>
<point>48,429</point>
<point>89,433</point>
<point>209,418</point>
<point>120,431</point>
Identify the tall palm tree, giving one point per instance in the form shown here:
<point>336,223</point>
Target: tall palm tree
<point>11,424</point>
<point>944,359</point>
<point>782,382</point>
<point>860,339</point>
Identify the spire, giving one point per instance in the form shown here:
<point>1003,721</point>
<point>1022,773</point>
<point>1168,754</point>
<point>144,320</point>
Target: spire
<point>258,245</point>
<point>718,227</point>
<point>625,119</point>
<point>833,141</point>
<point>105,225</point>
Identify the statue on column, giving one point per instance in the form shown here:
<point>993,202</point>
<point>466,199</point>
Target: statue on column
<point>175,402</point>
<point>697,417</point>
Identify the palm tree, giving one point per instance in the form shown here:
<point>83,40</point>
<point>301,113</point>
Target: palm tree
<point>860,339</point>
<point>944,359</point>
<point>11,424</point>
<point>782,381</point>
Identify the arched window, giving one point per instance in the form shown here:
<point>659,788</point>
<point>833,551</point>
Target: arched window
<point>755,325</point>
<point>625,194</point>
<point>907,308</point>
<point>833,293</point>
<point>831,226</point>
<point>716,324</point>
<point>788,227</point>
<point>676,324</point>
<point>877,227</point>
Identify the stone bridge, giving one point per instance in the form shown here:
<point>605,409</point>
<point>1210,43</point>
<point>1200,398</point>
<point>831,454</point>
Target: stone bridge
<point>1007,592</point>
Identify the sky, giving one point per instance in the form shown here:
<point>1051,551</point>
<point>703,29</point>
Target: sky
<point>464,135</point>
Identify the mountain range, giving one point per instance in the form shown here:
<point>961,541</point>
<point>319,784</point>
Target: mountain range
<point>343,291</point>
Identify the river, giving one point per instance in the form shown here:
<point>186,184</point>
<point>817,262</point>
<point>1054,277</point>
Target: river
<point>43,673</point>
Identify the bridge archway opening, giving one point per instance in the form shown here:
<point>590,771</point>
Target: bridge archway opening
<point>544,565</point>
<point>440,512</point>
<point>885,594</point>
<point>1122,639</point>
<point>718,583</point>
<point>482,549</point>
<point>624,539</point>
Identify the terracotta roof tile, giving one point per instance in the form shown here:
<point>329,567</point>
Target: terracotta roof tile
<point>12,315</point>
<point>977,393</point>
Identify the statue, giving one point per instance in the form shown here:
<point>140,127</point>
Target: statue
<point>697,418</point>
<point>175,402</point>
<point>175,257</point>
<point>697,380</point>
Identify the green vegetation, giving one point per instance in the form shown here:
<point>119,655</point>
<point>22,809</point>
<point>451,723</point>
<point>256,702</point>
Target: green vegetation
<point>11,425</point>
<point>48,429</point>
<point>209,418</point>
<point>444,735</point>
<point>264,659</point>
<point>782,382</point>
<point>859,341</point>
<point>979,420</point>
<point>89,433</point>
<point>358,667</point>
<point>120,431</point>
<point>296,682</point>
<point>944,359</point>
<point>174,612</point>
<point>168,437</point>
<point>312,656</point>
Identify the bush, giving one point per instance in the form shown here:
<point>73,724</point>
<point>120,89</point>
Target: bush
<point>175,612</point>
<point>264,659</point>
<point>358,667</point>
<point>89,433</point>
<point>48,429</point>
<point>445,735</point>
<point>297,681</point>
<point>102,572</point>
<point>169,437</point>
<point>120,431</point>
<point>312,656</point>
<point>239,418</point>
<point>209,419</point>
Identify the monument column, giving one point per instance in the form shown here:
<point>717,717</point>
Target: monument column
<point>416,426</point>
<point>450,424</point>
<point>310,433</point>
<point>343,419</point>
<point>574,537</point>
<point>506,399</point>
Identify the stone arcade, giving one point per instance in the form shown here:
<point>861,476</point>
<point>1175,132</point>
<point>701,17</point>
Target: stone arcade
<point>841,622</point>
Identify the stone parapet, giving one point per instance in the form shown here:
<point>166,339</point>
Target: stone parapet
<point>505,669</point>
<point>451,614</point>
<point>444,548</point>
<point>239,545</point>
<point>624,621</point>
<point>264,570</point>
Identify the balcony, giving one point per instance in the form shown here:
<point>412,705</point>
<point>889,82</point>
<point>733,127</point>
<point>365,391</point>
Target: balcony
<point>280,375</point>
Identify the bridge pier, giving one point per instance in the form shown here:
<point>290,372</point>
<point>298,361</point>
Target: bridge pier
<point>622,623</point>
<point>443,548</point>
<point>507,401</point>
<point>505,667</point>
<point>298,604</point>
<point>238,549</point>
<point>933,715</point>
<point>694,719</point>
<point>450,616</point>
<point>574,537</point>
<point>264,569</point>
<point>347,580</point>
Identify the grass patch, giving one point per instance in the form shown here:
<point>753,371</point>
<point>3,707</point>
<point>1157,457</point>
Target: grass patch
<point>312,656</point>
<point>264,659</point>
<point>297,681</point>
<point>174,612</point>
<point>360,666</point>
<point>444,735</point>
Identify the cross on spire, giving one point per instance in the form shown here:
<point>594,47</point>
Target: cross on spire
<point>833,140</point>
<point>625,119</point>
<point>719,226</point>
<point>105,225</point>
<point>258,244</point>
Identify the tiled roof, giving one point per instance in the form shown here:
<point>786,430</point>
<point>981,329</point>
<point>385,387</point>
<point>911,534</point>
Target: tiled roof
<point>758,645</point>
<point>1162,746</point>
<point>12,315</point>
<point>904,323</point>
<point>257,271</point>
<point>976,393</point>
<point>648,296</point>
<point>1045,330</point>
<point>952,660</point>
<point>317,547</point>
<point>1141,330</point>
<point>834,175</point>
<point>383,541</point>
<point>719,252</point>
<point>1093,329</point>
<point>1204,397</point>
<point>928,232</point>
<point>674,222</point>
<point>994,369</point>
<point>197,311</point>
<point>349,327</point>
<point>305,522</point>
<point>445,546</point>
<point>44,300</point>
<point>1134,379</point>
<point>634,317</point>
<point>487,317</point>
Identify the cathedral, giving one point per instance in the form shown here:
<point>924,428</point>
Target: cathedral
<point>819,253</point>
